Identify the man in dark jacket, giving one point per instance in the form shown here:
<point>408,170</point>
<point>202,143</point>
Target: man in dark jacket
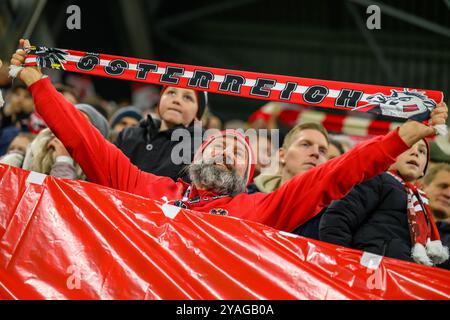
<point>150,145</point>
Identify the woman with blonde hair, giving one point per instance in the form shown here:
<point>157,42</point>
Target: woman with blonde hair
<point>48,155</point>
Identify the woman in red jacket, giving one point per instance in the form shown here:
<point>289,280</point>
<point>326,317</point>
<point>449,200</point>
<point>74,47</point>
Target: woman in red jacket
<point>216,184</point>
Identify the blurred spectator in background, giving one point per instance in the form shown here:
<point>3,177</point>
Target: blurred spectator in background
<point>345,141</point>
<point>266,117</point>
<point>19,105</point>
<point>15,114</point>
<point>214,122</point>
<point>21,142</point>
<point>17,149</point>
<point>388,215</point>
<point>149,146</point>
<point>48,155</point>
<point>437,187</point>
<point>124,118</point>
<point>68,92</point>
<point>264,153</point>
<point>436,184</point>
<point>335,149</point>
<point>101,105</point>
<point>235,124</point>
<point>36,123</point>
<point>95,118</point>
<point>211,121</point>
<point>145,97</point>
<point>5,80</point>
<point>82,84</point>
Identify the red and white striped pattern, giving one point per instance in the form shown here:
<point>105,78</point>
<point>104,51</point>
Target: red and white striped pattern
<point>349,125</point>
<point>290,115</point>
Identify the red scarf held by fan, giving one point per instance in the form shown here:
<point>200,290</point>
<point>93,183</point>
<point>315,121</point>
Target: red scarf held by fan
<point>406,103</point>
<point>426,243</point>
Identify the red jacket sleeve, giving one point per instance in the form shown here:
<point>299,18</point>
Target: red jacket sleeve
<point>306,194</point>
<point>101,161</point>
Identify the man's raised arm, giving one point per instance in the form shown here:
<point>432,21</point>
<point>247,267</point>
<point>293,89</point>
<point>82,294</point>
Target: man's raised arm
<point>101,161</point>
<point>306,194</point>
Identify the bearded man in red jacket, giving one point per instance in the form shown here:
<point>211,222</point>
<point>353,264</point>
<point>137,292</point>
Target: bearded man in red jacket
<point>222,166</point>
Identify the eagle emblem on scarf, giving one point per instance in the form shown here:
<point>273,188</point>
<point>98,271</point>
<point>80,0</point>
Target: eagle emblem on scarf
<point>49,57</point>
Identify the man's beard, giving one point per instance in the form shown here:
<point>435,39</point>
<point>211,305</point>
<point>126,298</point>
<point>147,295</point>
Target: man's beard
<point>216,179</point>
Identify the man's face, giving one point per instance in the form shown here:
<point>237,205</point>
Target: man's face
<point>178,106</point>
<point>308,150</point>
<point>227,153</point>
<point>438,192</point>
<point>21,101</point>
<point>222,167</point>
<point>125,122</point>
<point>411,163</point>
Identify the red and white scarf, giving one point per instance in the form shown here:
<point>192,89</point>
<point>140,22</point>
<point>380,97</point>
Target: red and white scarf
<point>426,243</point>
<point>389,101</point>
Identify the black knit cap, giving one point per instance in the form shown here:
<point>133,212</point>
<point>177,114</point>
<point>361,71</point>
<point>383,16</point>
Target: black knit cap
<point>202,100</point>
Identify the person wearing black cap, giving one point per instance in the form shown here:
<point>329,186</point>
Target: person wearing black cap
<point>149,146</point>
<point>122,119</point>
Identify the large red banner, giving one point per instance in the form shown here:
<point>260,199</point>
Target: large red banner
<point>66,239</point>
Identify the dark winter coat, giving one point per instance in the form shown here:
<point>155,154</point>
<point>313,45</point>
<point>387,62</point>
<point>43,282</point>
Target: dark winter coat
<point>151,150</point>
<point>372,217</point>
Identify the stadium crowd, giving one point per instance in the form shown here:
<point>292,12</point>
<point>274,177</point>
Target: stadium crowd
<point>388,195</point>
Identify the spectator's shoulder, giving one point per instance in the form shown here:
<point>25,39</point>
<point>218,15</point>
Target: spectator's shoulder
<point>388,179</point>
<point>130,134</point>
<point>376,181</point>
